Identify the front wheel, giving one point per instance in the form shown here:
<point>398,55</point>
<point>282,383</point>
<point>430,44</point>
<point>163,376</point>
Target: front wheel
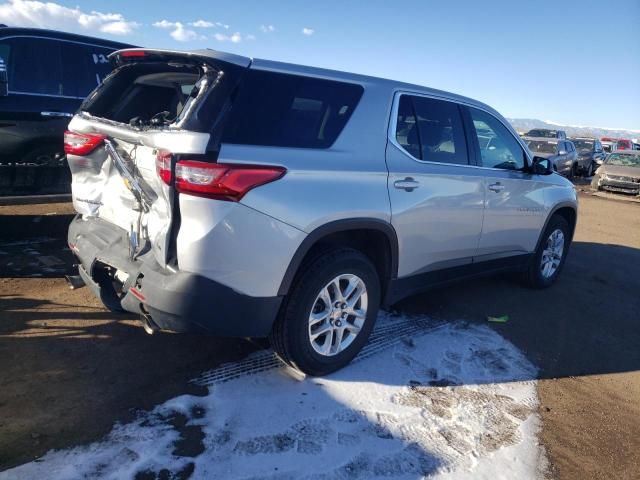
<point>329,312</point>
<point>589,170</point>
<point>573,172</point>
<point>549,257</point>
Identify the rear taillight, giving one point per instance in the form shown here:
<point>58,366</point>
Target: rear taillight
<point>81,143</point>
<point>222,181</point>
<point>163,166</point>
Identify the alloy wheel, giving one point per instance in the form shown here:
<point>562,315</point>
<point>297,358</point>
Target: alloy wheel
<point>338,314</point>
<point>552,254</point>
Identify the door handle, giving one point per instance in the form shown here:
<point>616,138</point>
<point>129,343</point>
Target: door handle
<point>496,187</point>
<point>56,114</point>
<point>408,184</point>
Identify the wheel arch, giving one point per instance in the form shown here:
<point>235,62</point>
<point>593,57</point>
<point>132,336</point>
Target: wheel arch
<point>374,237</point>
<point>566,210</point>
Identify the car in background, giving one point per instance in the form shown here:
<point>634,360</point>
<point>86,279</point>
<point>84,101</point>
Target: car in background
<point>47,74</point>
<point>561,153</point>
<point>590,154</point>
<point>546,133</point>
<point>619,173</point>
<point>624,144</point>
<point>608,144</point>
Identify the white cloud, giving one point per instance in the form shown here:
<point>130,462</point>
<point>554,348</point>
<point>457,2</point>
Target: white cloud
<point>27,13</point>
<point>308,31</point>
<point>178,31</point>
<point>208,24</point>
<point>233,38</point>
<point>164,24</point>
<point>267,28</point>
<point>250,37</point>
<point>202,24</point>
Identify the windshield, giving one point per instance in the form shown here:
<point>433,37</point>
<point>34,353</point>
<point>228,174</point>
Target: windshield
<point>624,160</point>
<point>583,144</point>
<point>542,133</point>
<point>541,147</point>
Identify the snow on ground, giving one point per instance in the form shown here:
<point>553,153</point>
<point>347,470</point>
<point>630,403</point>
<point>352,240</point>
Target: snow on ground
<point>444,401</point>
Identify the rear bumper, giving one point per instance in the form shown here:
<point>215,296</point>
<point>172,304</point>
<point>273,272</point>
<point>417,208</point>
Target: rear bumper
<point>175,300</point>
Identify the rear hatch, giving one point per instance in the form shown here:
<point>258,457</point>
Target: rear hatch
<point>122,146</point>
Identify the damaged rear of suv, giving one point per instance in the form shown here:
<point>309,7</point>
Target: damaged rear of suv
<point>141,140</point>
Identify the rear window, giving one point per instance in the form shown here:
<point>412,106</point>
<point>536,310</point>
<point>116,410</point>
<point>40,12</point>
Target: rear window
<point>141,93</point>
<point>282,110</point>
<point>542,147</point>
<point>84,67</point>
<point>542,133</point>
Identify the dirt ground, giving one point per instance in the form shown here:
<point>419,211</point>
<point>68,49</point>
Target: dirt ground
<point>70,369</point>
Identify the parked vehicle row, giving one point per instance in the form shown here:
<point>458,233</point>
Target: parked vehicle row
<point>614,144</point>
<point>46,76</point>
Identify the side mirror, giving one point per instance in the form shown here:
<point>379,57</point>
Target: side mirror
<point>541,166</point>
<point>4,80</point>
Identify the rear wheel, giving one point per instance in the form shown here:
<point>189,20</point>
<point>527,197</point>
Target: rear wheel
<point>550,255</point>
<point>329,312</point>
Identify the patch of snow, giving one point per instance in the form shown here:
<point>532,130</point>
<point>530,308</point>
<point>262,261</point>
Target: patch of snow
<point>451,401</point>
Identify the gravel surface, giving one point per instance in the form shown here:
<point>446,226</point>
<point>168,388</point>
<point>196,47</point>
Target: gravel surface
<point>72,369</point>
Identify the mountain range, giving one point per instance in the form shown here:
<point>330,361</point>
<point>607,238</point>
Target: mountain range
<point>526,124</point>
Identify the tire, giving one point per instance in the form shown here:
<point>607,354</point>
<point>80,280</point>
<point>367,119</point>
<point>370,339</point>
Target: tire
<point>589,171</point>
<point>536,275</point>
<point>291,336</point>
<point>573,172</point>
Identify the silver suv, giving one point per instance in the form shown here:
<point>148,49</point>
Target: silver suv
<point>245,197</point>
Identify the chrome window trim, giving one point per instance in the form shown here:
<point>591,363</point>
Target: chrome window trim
<point>16,92</point>
<point>20,92</point>
<point>391,136</point>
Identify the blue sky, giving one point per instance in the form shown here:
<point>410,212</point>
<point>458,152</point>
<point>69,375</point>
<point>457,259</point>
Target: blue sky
<point>572,62</point>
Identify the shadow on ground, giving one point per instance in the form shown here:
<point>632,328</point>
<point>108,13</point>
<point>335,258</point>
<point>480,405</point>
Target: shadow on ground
<point>68,358</point>
<point>586,324</point>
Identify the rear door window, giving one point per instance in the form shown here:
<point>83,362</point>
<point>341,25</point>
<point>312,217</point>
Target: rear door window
<point>35,66</point>
<point>498,147</point>
<point>283,110</point>
<point>431,130</point>
<point>53,67</point>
